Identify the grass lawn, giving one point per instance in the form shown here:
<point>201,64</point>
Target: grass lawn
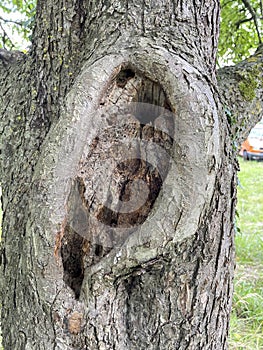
<point>246,331</point>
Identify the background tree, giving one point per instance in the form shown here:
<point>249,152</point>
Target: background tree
<point>162,276</point>
<point>11,25</point>
<point>241,29</point>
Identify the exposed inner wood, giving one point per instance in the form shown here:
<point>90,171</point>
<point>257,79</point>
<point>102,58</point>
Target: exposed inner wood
<point>129,179</point>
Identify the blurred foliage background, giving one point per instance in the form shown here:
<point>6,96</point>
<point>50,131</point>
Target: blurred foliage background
<point>16,23</point>
<point>241,29</point>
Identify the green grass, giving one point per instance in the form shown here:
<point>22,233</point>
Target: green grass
<point>246,326</point>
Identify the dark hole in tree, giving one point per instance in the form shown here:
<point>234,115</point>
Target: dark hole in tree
<point>72,259</point>
<point>98,249</point>
<point>124,76</point>
<point>74,243</point>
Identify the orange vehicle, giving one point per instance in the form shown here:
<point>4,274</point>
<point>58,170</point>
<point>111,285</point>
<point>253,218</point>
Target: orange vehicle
<point>252,148</point>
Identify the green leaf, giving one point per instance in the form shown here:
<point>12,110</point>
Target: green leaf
<point>22,28</point>
<point>238,35</point>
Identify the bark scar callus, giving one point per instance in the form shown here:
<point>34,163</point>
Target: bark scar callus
<point>116,186</point>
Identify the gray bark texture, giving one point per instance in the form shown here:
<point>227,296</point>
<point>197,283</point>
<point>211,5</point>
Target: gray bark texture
<point>77,273</point>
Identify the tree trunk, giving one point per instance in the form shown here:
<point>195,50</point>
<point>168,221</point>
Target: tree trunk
<point>120,99</point>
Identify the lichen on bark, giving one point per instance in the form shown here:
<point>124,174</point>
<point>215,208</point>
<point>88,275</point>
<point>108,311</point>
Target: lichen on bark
<point>249,83</point>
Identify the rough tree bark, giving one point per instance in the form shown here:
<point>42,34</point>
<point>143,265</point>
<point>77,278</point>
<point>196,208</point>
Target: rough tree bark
<point>74,273</point>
